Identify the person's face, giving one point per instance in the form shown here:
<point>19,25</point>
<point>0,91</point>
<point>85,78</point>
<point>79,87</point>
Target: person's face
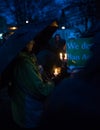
<point>30,45</point>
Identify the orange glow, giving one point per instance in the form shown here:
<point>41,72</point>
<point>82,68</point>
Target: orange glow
<point>54,24</point>
<point>57,71</point>
<point>61,56</point>
<point>12,28</point>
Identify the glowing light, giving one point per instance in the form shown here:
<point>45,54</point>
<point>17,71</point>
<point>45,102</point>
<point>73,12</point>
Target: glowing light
<point>13,28</point>
<point>1,34</point>
<point>27,21</point>
<point>54,24</point>
<point>57,71</point>
<point>63,27</point>
<point>65,56</point>
<point>61,56</point>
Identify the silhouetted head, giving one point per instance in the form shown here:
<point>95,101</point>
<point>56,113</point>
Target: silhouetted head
<point>30,45</point>
<point>57,37</point>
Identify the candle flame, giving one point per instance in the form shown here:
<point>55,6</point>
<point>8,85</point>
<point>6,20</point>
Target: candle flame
<point>61,56</point>
<point>57,71</point>
<point>65,56</point>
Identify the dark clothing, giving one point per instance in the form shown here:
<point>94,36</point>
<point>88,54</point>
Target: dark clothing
<point>74,104</point>
<point>28,89</point>
<point>48,60</point>
<point>57,46</point>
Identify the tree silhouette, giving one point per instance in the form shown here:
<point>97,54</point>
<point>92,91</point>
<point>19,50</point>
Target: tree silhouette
<point>40,10</point>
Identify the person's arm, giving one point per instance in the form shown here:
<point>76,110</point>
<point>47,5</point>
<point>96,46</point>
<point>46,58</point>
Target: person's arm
<point>31,78</point>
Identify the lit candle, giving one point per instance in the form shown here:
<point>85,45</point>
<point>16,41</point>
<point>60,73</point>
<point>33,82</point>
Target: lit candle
<point>65,56</point>
<point>61,56</point>
<point>55,72</point>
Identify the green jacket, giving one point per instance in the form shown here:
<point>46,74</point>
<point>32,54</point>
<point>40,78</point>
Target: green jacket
<point>27,82</point>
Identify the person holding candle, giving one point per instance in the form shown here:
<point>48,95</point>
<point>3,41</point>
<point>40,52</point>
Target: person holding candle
<point>28,90</point>
<point>75,103</point>
<point>58,48</point>
<point>57,44</point>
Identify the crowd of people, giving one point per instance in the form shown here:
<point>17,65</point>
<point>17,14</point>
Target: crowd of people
<point>50,58</point>
<point>29,87</point>
<point>43,104</point>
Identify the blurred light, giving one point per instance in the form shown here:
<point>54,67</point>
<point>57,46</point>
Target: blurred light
<point>57,71</point>
<point>12,28</point>
<point>27,21</point>
<point>1,35</point>
<point>54,24</point>
<point>63,27</point>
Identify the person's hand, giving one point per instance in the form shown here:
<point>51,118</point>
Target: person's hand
<point>56,79</point>
<point>41,70</point>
